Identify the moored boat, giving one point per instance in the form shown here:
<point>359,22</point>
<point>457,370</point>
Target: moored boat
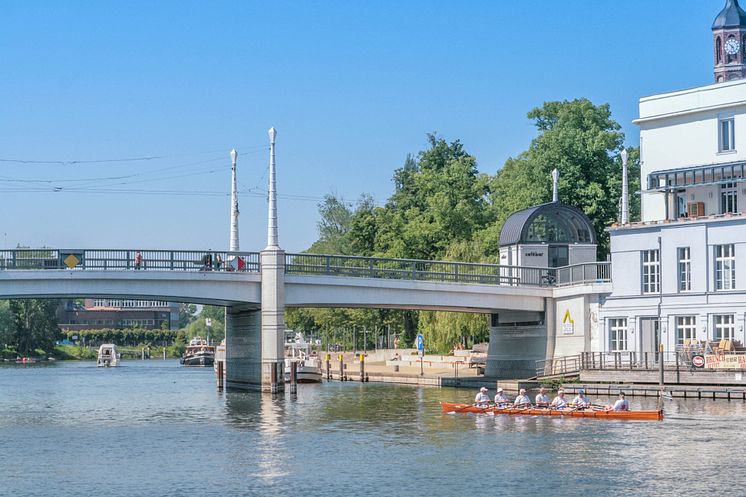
<point>450,407</point>
<point>198,353</point>
<point>308,364</point>
<point>108,356</point>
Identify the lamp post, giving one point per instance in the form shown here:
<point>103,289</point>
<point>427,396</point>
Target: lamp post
<point>234,204</point>
<point>625,188</point>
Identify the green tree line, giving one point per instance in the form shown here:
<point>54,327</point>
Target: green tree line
<point>443,208</point>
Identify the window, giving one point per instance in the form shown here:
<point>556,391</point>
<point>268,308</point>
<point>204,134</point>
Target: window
<point>725,267</point>
<point>685,269</point>
<point>618,334</point>
<point>728,198</point>
<point>686,329</point>
<point>651,271</point>
<point>718,51</point>
<point>726,134</point>
<point>725,327</point>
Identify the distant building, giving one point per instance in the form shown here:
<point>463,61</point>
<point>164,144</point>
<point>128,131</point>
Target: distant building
<point>117,314</point>
<point>685,262</point>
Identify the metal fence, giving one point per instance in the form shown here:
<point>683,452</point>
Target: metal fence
<point>123,259</point>
<point>444,271</point>
<point>679,360</point>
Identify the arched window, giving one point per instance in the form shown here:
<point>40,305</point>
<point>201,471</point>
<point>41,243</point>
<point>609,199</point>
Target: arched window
<point>718,51</point>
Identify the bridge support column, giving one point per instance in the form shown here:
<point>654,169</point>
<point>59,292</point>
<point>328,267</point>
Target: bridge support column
<point>273,319</point>
<point>243,349</point>
<point>517,341</point>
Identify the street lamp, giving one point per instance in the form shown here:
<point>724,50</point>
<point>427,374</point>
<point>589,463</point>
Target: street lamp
<point>625,188</point>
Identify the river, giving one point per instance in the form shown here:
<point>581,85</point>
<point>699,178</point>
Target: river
<point>156,428</point>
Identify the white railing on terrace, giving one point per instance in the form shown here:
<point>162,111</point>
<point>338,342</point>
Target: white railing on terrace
<point>123,259</point>
<point>445,271</point>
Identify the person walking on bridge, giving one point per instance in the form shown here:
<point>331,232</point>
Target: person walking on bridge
<point>522,401</point>
<point>482,399</point>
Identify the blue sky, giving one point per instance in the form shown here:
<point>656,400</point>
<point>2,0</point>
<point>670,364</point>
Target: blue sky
<point>352,87</point>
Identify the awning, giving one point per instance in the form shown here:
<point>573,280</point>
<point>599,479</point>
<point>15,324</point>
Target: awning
<point>714,174</point>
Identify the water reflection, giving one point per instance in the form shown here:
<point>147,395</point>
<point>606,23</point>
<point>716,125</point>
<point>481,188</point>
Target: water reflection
<point>159,423</point>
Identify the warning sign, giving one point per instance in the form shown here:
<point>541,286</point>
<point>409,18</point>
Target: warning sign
<point>568,324</point>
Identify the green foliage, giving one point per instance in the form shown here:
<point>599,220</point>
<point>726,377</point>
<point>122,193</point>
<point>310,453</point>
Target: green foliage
<point>583,142</point>
<point>125,336</point>
<point>33,325</point>
<point>187,314</point>
<point>442,208</point>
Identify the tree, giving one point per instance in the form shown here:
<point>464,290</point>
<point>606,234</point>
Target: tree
<point>5,324</point>
<point>583,142</point>
<point>187,314</point>
<point>33,325</point>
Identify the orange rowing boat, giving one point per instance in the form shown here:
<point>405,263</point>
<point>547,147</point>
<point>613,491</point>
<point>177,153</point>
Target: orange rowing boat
<point>450,407</point>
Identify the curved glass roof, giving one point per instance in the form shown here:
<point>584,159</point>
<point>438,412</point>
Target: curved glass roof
<point>548,223</point>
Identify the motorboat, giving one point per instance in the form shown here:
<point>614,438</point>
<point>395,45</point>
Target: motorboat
<point>108,356</point>
<point>198,353</point>
<point>308,363</point>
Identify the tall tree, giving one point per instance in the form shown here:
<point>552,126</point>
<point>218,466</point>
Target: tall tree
<point>582,141</point>
<point>34,325</point>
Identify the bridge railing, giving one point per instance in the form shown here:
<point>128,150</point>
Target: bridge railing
<point>125,259</point>
<point>444,271</point>
<point>611,361</point>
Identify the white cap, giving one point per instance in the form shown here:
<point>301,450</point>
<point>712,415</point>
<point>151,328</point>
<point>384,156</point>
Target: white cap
<point>522,390</point>
<point>483,389</point>
<point>499,390</point>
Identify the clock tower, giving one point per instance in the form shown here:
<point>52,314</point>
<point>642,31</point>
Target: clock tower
<point>729,33</point>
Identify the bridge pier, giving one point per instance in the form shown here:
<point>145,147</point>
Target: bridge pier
<point>517,340</point>
<point>243,350</point>
<point>273,319</point>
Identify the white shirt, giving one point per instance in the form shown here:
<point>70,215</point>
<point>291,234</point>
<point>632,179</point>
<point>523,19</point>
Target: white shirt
<point>522,400</point>
<point>501,398</point>
<point>481,398</point>
<point>559,402</point>
<point>581,401</point>
<point>542,399</point>
<point>621,405</point>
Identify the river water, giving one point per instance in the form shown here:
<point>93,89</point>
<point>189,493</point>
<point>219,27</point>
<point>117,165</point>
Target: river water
<point>156,428</point>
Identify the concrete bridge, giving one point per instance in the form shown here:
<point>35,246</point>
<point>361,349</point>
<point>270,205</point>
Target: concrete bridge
<point>256,287</point>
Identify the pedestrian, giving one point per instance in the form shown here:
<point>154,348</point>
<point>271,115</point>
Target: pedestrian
<point>138,260</point>
<point>218,262</point>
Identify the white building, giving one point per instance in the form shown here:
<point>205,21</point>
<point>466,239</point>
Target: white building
<point>686,261</point>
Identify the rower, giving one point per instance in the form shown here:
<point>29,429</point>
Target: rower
<point>501,400</point>
<point>482,399</point>
<point>622,404</point>
<point>559,401</point>
<point>581,401</point>
<point>522,401</point>
<point>542,399</point>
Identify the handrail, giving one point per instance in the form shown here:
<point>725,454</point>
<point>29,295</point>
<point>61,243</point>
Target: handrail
<point>128,259</point>
<point>446,271</point>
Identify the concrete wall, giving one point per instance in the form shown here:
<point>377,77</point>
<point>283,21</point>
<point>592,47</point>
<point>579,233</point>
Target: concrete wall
<point>243,349</point>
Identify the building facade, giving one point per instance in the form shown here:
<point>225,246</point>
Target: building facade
<point>680,273</point>
<point>117,314</point>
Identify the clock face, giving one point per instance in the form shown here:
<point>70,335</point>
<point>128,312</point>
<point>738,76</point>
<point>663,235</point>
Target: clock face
<point>732,46</point>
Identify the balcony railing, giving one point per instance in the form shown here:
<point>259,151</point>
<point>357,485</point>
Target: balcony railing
<point>123,259</point>
<point>445,271</point>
